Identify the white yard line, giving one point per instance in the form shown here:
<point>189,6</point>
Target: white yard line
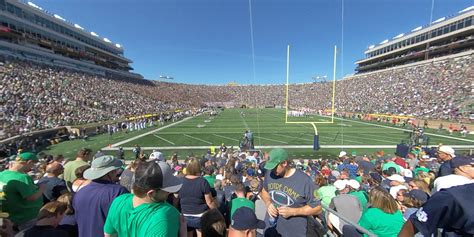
<point>168,141</point>
<point>284,146</point>
<point>271,140</point>
<point>228,138</point>
<point>148,133</point>
<point>402,129</point>
<point>199,139</point>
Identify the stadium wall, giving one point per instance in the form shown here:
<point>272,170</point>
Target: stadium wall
<point>433,60</point>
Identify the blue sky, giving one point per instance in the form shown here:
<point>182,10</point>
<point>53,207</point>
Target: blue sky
<point>209,41</point>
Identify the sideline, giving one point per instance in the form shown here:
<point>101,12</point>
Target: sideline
<point>284,146</point>
<point>147,133</point>
<point>408,130</point>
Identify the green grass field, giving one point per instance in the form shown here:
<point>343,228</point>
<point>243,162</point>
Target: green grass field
<point>197,134</point>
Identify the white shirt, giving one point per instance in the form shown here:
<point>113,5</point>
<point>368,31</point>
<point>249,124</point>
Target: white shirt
<point>449,181</point>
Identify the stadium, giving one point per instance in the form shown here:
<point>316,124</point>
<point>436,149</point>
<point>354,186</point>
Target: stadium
<point>65,89</point>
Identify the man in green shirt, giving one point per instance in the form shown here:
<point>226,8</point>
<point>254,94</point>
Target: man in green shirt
<point>359,194</point>
<point>146,212</point>
<point>390,163</point>
<point>83,156</point>
<point>241,200</point>
<point>23,199</point>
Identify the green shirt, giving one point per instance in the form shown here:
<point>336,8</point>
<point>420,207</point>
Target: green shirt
<point>380,223</point>
<point>211,179</point>
<point>326,193</point>
<point>148,219</point>
<point>17,187</point>
<point>240,202</point>
<point>362,197</point>
<point>70,170</point>
<point>391,164</point>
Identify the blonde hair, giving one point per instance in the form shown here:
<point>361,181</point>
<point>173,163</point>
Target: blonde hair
<point>52,209</point>
<point>381,199</point>
<point>67,199</point>
<point>427,177</point>
<point>421,185</point>
<point>193,167</point>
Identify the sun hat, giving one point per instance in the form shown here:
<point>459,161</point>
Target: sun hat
<point>157,175</point>
<point>276,156</point>
<point>342,154</point>
<point>101,166</point>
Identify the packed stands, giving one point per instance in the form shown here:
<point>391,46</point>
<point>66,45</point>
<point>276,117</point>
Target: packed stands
<point>35,96</point>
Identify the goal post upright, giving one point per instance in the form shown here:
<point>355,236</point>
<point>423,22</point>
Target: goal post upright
<point>316,136</point>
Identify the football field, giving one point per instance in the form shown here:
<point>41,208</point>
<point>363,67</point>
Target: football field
<point>270,131</point>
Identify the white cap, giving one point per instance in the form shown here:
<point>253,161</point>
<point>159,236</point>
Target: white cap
<point>342,153</point>
<point>156,155</point>
<point>396,177</point>
<point>354,184</point>
<point>340,184</point>
<point>407,173</point>
<point>448,150</point>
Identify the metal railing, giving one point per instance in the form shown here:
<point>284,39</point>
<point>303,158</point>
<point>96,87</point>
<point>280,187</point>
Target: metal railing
<point>361,229</point>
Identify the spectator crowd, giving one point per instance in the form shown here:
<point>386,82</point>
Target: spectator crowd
<point>35,97</point>
<point>229,192</point>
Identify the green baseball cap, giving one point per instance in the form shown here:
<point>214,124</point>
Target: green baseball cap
<point>276,157</point>
<point>26,156</point>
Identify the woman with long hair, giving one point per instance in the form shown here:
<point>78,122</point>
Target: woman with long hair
<point>418,184</point>
<point>382,217</point>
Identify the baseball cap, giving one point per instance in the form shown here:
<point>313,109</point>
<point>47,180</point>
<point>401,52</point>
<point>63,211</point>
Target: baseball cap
<point>342,153</point>
<point>26,156</point>
<point>341,184</point>
<point>448,150</point>
<point>156,155</point>
<point>276,156</point>
<point>244,218</point>
<point>354,184</point>
<point>418,195</point>
<point>157,175</point>
<point>462,161</point>
<point>396,177</point>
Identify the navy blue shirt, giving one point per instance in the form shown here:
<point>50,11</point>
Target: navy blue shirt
<point>366,166</point>
<point>54,187</point>
<point>91,205</point>
<point>445,169</point>
<point>191,195</point>
<point>451,209</point>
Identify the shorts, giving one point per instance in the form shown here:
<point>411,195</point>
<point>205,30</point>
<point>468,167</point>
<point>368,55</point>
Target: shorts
<point>193,222</point>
